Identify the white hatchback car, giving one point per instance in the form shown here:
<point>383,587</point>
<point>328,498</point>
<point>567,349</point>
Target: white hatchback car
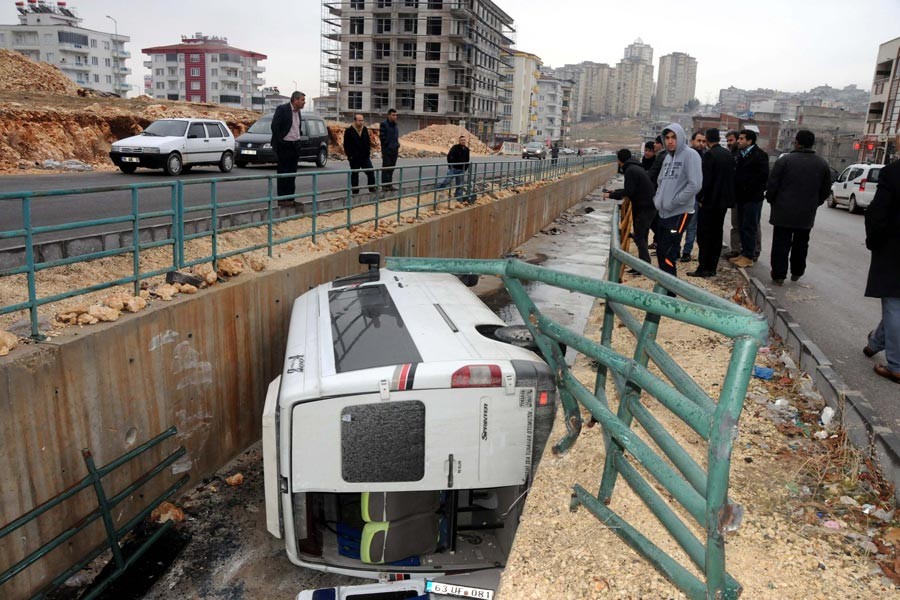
<point>176,145</point>
<point>855,187</point>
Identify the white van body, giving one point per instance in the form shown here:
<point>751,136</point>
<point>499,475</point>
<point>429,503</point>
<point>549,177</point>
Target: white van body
<point>855,187</point>
<point>396,384</point>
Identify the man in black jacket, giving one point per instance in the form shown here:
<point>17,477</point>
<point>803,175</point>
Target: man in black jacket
<point>649,155</point>
<point>716,197</point>
<point>286,143</point>
<point>883,239</point>
<point>750,176</point>
<point>639,190</point>
<point>358,148</point>
<point>389,136</point>
<point>800,182</point>
<point>458,161</point>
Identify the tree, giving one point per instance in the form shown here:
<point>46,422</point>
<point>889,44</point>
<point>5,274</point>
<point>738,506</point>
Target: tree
<point>691,105</point>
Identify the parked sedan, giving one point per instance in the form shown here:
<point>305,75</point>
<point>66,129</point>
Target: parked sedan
<point>255,147</point>
<point>534,150</point>
<point>855,187</point>
<point>176,145</point>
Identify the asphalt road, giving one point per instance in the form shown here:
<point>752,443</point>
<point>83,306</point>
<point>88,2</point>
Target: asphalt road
<point>97,205</point>
<point>829,305</point>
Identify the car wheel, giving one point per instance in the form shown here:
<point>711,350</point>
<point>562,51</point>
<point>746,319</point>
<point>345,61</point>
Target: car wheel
<point>174,166</point>
<point>854,207</point>
<point>227,162</point>
<point>832,202</point>
<point>128,169</point>
<point>240,164</point>
<point>322,158</point>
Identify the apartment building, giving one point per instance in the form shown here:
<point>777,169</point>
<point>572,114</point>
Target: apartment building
<point>883,119</point>
<point>52,33</point>
<point>554,99</point>
<point>518,118</point>
<point>596,89</point>
<point>434,61</point>
<point>205,68</point>
<point>677,81</point>
<point>836,131</point>
<point>631,85</point>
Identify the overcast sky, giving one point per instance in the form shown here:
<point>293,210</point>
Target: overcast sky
<point>791,45</point>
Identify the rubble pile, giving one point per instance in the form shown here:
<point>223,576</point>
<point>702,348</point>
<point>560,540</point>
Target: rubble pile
<point>18,72</point>
<point>444,136</point>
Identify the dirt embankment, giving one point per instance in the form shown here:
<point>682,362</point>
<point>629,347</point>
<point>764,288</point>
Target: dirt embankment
<point>45,116</point>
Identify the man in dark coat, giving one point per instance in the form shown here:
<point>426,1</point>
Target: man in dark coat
<point>883,239</point>
<point>649,155</point>
<point>389,136</point>
<point>750,176</point>
<point>358,148</point>
<point>639,190</point>
<point>716,197</point>
<point>457,165</point>
<point>286,143</point>
<point>798,185</point>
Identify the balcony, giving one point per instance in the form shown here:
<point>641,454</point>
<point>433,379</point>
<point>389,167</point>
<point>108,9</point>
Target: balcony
<point>76,49</point>
<point>224,76</point>
<point>121,85</point>
<point>74,66</point>
<point>148,64</point>
<point>121,53</point>
<point>258,81</point>
<point>879,85</point>
<point>124,71</point>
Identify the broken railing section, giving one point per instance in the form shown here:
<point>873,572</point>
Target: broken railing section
<point>702,494</point>
<point>104,511</point>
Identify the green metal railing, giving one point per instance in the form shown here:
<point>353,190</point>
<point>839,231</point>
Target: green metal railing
<point>702,494</point>
<point>326,193</point>
<point>104,511</point>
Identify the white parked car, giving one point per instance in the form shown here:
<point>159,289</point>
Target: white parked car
<point>402,435</point>
<point>176,145</point>
<point>855,187</point>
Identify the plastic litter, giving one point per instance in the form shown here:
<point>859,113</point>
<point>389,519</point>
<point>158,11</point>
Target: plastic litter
<point>763,372</point>
<point>826,416</point>
<point>832,524</point>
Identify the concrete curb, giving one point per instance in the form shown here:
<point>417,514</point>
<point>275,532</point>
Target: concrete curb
<point>865,428</point>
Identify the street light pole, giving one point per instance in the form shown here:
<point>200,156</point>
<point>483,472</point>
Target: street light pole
<point>295,86</point>
<point>116,24</point>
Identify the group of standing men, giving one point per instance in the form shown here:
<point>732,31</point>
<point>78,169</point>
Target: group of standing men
<point>700,182</point>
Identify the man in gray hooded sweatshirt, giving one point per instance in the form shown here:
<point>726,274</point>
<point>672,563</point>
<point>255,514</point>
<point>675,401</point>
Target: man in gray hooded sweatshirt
<point>680,180</point>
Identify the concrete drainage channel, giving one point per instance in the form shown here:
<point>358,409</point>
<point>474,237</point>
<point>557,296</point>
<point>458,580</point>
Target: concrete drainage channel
<point>865,428</point>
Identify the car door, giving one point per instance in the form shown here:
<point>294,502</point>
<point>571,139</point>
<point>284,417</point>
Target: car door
<point>305,137</point>
<point>851,186</point>
<point>839,188</point>
<point>196,147</point>
<point>218,140</point>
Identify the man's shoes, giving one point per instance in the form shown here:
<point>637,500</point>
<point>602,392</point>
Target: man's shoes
<point>652,245</point>
<point>731,254</point>
<point>868,349</point>
<point>701,273</point>
<point>796,277</point>
<point>388,188</point>
<point>685,257</point>
<point>633,272</point>
<point>778,282</point>
<point>887,373</point>
<point>742,262</point>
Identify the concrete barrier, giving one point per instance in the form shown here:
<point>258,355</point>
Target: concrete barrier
<point>200,363</point>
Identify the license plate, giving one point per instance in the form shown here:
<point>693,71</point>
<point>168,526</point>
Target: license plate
<point>130,159</point>
<point>460,591</point>
<point>248,151</point>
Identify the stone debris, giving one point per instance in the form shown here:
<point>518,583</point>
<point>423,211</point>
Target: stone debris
<point>71,315</point>
<point>135,303</point>
<point>167,512</point>
<point>206,273</point>
<point>236,479</point>
<point>7,342</point>
<point>185,288</point>
<point>445,136</point>
<point>86,319</point>
<point>103,313</point>
<point>256,263</point>
<point>165,291</point>
<point>230,267</point>
<point>20,73</point>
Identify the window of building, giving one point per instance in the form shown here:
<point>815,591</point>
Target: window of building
<point>430,102</point>
<point>93,43</point>
<point>355,76</point>
<point>160,72</point>
<point>406,100</point>
<point>354,100</point>
<point>382,3</point>
<point>2,38</point>
<point>214,85</point>
<point>95,61</point>
<point>214,58</point>
<point>48,38</point>
<point>381,74</point>
<point>432,77</point>
<point>180,85</point>
<point>50,57</point>
<point>432,51</point>
<point>357,26</point>
<point>195,72</point>
<point>195,85</point>
<point>435,4</point>
<point>214,72</point>
<point>382,50</point>
<point>181,72</point>
<point>195,98</point>
<point>356,50</point>
<point>408,49</point>
<point>195,58</point>
<point>109,79</point>
<point>433,26</point>
<point>106,45</point>
<point>406,74</point>
<point>380,100</point>
<point>410,25</point>
<point>411,3</point>
<point>160,85</point>
<point>107,62</point>
<point>181,58</point>
<point>357,4</point>
<point>382,25</point>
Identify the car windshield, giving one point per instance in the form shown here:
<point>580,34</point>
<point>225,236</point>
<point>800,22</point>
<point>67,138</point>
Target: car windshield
<point>166,128</point>
<point>534,146</point>
<point>263,125</point>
